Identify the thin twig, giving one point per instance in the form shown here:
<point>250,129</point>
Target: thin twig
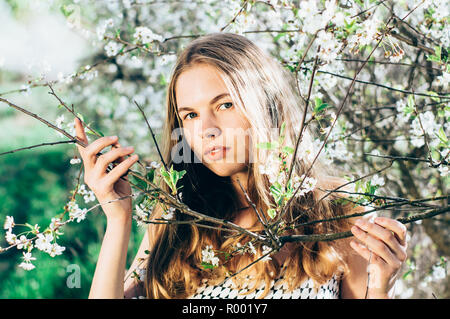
<point>153,135</point>
<point>38,145</point>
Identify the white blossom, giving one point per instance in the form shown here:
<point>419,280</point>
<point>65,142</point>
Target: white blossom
<point>76,212</point>
<point>27,257</point>
<point>307,8</point>
<point>169,214</point>
<point>74,161</point>
<point>9,223</point>
<point>145,35</point>
<point>329,46</point>
<point>23,242</point>
<point>10,237</point>
<point>89,197</point>
<point>141,274</point>
<point>26,264</point>
<point>308,184</point>
<point>208,256</point>
<point>443,170</point>
<point>55,223</point>
<point>142,214</point>
<point>59,121</point>
<point>377,180</point>
<point>251,248</point>
<point>270,168</point>
<point>443,80</point>
<point>44,242</point>
<point>155,165</point>
<point>56,249</point>
<point>112,48</point>
<point>266,250</point>
<point>427,122</point>
<point>417,142</point>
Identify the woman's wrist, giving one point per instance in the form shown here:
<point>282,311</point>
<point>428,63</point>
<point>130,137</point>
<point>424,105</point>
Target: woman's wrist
<point>119,221</point>
<point>116,212</point>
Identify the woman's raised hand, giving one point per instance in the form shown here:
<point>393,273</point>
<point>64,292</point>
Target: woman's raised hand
<point>106,185</point>
<point>384,246</point>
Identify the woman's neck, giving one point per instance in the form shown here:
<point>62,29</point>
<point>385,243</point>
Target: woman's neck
<point>244,217</point>
<point>240,179</point>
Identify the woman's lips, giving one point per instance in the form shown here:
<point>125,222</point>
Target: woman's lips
<point>218,153</point>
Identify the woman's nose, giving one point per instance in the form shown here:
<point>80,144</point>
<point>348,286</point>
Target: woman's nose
<point>211,132</point>
<point>210,128</point>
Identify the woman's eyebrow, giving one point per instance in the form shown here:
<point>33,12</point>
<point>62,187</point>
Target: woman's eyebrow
<point>214,100</point>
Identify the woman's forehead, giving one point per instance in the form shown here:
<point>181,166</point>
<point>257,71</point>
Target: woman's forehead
<point>198,86</point>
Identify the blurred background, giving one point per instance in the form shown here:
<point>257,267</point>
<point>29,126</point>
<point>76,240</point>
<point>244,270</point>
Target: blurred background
<point>90,52</point>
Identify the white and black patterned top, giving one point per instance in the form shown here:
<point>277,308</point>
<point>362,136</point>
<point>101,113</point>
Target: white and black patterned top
<point>279,290</point>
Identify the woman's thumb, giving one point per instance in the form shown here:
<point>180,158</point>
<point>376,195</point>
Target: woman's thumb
<point>80,134</point>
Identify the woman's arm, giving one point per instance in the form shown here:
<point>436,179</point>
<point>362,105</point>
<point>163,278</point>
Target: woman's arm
<point>110,269</point>
<point>113,192</point>
<point>354,283</point>
<point>133,287</point>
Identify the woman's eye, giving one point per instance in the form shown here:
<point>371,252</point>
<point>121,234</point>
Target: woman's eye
<point>192,114</point>
<point>229,103</point>
<point>187,116</point>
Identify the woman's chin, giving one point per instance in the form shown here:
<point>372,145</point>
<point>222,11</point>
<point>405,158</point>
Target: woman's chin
<point>226,169</point>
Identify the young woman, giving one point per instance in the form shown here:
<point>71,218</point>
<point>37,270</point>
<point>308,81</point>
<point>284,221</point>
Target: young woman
<point>225,96</point>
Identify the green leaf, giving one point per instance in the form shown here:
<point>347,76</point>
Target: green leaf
<point>320,108</point>
<point>441,135</point>
<point>172,177</point>
<point>207,265</point>
<point>406,274</point>
<point>283,126</point>
<point>66,10</point>
<point>277,192</point>
<point>138,182</point>
<point>268,145</point>
<point>272,213</point>
<point>433,58</point>
<point>80,116</point>
<point>151,175</point>
<point>318,101</point>
<point>139,199</point>
<point>288,149</point>
<point>437,52</point>
<point>411,101</point>
<point>162,80</point>
<point>436,99</point>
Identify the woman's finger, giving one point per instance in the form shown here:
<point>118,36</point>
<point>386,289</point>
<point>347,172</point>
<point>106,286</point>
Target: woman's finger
<point>360,249</point>
<point>377,246</point>
<point>120,169</point>
<point>80,134</point>
<point>98,145</point>
<point>118,145</point>
<point>88,162</point>
<point>104,160</point>
<point>398,228</point>
<point>384,234</point>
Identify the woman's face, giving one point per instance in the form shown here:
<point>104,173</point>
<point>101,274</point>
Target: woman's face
<point>210,119</point>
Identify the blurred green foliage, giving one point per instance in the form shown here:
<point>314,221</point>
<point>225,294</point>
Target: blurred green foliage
<point>34,187</point>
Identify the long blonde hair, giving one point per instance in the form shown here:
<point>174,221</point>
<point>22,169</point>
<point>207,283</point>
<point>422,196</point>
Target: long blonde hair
<point>266,95</point>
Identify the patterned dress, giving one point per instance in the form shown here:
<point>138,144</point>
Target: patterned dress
<point>278,290</point>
